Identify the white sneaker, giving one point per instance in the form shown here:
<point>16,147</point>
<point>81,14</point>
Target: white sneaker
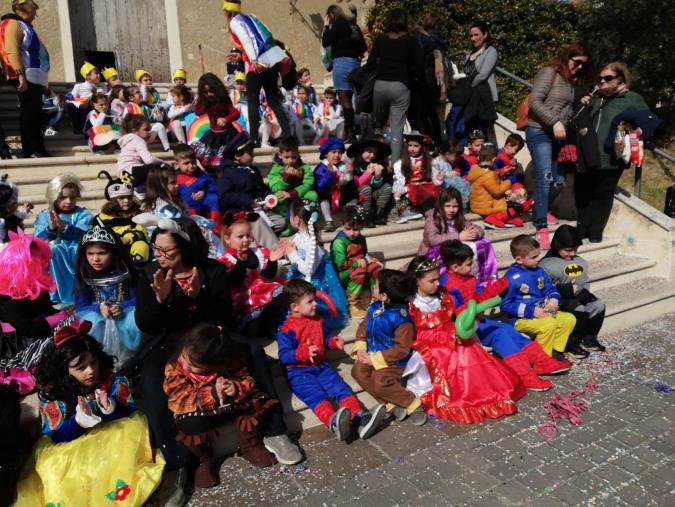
<point>49,132</point>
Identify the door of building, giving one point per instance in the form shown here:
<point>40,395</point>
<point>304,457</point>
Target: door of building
<point>135,30</point>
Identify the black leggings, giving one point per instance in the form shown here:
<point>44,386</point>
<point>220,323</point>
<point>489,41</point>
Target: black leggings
<point>594,194</point>
<point>30,120</point>
<point>267,80</point>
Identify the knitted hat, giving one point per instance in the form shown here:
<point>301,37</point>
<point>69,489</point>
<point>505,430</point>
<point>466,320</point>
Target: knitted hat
<point>232,5</point>
<point>56,185</point>
<point>122,186</point>
<point>383,150</point>
<point>239,76</point>
<point>140,73</point>
<point>180,74</point>
<point>109,73</point>
<point>86,69</point>
<point>329,144</point>
<point>9,194</point>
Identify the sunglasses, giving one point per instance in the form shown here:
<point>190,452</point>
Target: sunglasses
<point>608,79</point>
<point>578,62</point>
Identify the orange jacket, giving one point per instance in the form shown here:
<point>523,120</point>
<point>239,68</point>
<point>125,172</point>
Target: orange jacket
<point>487,191</point>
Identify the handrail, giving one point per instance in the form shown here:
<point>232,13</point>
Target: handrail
<point>638,169</point>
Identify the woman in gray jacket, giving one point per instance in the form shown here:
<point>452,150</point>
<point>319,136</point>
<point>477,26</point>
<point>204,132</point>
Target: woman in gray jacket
<point>550,111</point>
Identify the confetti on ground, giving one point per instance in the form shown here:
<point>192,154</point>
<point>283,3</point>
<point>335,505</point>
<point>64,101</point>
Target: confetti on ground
<point>435,422</point>
<point>663,388</point>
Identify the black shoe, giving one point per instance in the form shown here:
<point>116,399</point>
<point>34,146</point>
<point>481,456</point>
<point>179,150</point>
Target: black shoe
<point>370,224</point>
<point>578,351</point>
<point>558,356</point>
<point>5,153</point>
<point>371,421</point>
<point>592,343</point>
<point>380,219</point>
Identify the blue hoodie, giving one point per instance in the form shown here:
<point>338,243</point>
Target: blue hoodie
<point>527,287</point>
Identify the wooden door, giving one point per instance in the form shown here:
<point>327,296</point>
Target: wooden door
<point>134,29</point>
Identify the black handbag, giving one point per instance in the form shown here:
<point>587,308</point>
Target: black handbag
<point>461,93</point>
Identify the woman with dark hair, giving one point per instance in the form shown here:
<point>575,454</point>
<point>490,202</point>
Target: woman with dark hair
<point>550,110</point>
<point>347,45</point>
<point>479,68</point>
<point>397,56</point>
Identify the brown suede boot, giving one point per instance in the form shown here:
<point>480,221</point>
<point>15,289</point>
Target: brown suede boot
<point>206,475</point>
<point>251,447</point>
<point>356,309</point>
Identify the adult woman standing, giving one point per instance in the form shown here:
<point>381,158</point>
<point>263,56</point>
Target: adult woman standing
<point>594,189</point>
<point>550,110</point>
<point>479,68</point>
<point>26,64</point>
<point>347,45</point>
<point>397,56</point>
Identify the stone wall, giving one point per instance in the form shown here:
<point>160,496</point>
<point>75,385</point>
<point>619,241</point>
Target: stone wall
<point>47,26</point>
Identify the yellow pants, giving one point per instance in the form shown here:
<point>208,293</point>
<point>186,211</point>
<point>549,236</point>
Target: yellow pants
<point>550,332</point>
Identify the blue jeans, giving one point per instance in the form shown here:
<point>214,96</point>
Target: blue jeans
<point>548,178</point>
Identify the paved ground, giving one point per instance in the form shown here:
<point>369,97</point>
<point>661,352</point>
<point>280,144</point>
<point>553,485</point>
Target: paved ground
<point>621,454</point>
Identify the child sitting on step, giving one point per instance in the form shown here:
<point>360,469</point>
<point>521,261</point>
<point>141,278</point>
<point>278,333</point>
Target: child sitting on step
<point>100,128</point>
<point>412,178</point>
<point>355,267</point>
<point>447,170</point>
<point>446,221</point>
<point>569,273</point>
<point>207,384</point>
<point>303,341</point>
<point>333,181</point>
<point>136,106</point>
<point>78,100</point>
<point>383,347</point>
<point>476,141</point>
<point>134,144</point>
<point>329,113</point>
<point>533,302</point>
<point>373,180</point>
<point>196,188</point>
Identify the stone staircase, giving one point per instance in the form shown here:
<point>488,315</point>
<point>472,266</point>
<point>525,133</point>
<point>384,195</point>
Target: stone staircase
<point>632,270</point>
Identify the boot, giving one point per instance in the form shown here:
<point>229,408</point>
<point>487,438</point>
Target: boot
<point>591,343</point>
<point>350,117</point>
<point>521,365</point>
<point>381,217</point>
<point>495,221</point>
<point>543,363</point>
<point>356,310</point>
<point>206,474</point>
<point>573,347</point>
<point>251,446</point>
<point>370,218</point>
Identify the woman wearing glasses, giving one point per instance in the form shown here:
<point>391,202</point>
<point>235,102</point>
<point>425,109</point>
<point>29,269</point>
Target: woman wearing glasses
<point>550,111</point>
<point>594,189</point>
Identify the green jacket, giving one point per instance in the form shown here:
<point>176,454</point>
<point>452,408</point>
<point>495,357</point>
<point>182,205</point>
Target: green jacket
<point>277,183</point>
<point>341,252</point>
<point>603,110</point>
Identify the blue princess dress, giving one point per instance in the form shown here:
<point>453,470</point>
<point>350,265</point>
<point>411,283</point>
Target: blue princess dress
<point>64,248</point>
<point>311,262</point>
<point>120,336</point>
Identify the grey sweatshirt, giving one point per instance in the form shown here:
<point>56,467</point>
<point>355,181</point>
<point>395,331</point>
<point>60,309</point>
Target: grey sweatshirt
<point>567,273</point>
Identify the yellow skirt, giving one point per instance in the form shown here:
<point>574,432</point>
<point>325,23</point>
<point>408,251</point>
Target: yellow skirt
<point>110,465</point>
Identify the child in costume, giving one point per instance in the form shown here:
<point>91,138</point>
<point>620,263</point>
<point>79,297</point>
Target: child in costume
<point>117,215</point>
<point>569,272</point>
<point>106,293</point>
<point>355,267</point>
<point>118,104</point>
<point>412,178</point>
<point>305,80</point>
<point>468,385</point>
<point>303,341</point>
<point>252,271</point>
<point>111,77</point>
<point>310,261</point>
<point>488,193</point>
<point>289,179</point>
<point>506,157</point>
<point>533,301</point>
<point>333,182</point>
<point>523,356</point>
<point>12,214</point>
<point>100,128</point>
<point>373,180</point>
<point>136,106</point>
<point>329,113</point>
<point>161,192</point>
<point>89,421</point>
<point>196,188</point>
<point>52,112</point>
<point>476,141</point>
<point>446,221</point>
<point>62,225</point>
<point>383,347</point>
<point>207,384</point>
<point>179,106</point>
<point>306,112</point>
<point>134,144</point>
<point>180,84</point>
<point>214,101</point>
<point>241,187</point>
<point>27,316</point>
<point>238,98</point>
<point>149,94</point>
<point>78,100</point>
<point>447,170</point>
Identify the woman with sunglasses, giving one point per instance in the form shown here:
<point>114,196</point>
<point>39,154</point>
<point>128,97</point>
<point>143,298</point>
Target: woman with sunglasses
<point>550,111</point>
<point>594,189</point>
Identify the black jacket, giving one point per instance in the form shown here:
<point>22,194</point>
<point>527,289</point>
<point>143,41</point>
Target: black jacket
<point>345,39</point>
<point>583,135</point>
<point>481,107</point>
<point>238,185</point>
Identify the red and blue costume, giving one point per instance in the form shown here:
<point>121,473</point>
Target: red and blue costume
<point>200,182</point>
<point>315,382</point>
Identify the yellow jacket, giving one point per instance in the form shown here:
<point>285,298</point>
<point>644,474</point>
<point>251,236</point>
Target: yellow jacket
<point>487,191</point>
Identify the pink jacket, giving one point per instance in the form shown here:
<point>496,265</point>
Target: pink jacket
<point>431,236</point>
<point>134,153</point>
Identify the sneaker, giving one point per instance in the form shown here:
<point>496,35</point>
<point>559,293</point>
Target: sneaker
<point>286,452</point>
<point>418,417</point>
<point>341,423</point>
<point>515,222</point>
<point>405,214</point>
<point>592,343</point>
<point>371,421</point>
<point>49,132</point>
<point>399,413</point>
<point>542,238</point>
<point>558,356</point>
<point>493,222</point>
<point>550,219</point>
<point>579,352</point>
<point>329,227</point>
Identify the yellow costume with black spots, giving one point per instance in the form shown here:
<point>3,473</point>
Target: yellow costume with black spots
<point>134,236</point>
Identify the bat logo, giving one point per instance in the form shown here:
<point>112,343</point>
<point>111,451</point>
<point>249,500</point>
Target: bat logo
<point>540,282</point>
<point>574,270</point>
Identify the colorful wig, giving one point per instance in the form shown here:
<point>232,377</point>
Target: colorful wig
<point>56,185</point>
<point>24,267</point>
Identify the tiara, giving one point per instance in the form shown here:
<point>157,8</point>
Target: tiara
<point>426,265</point>
<point>98,234</point>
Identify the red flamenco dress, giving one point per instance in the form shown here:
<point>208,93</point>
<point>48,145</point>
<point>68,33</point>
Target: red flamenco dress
<point>468,384</point>
<point>420,188</point>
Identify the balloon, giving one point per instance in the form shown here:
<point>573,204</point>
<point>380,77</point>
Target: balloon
<point>465,324</point>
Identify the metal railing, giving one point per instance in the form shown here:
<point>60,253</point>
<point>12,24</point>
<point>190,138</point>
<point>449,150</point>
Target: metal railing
<point>638,169</point>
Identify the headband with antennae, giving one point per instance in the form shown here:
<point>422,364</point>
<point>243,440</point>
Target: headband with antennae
<point>163,223</point>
